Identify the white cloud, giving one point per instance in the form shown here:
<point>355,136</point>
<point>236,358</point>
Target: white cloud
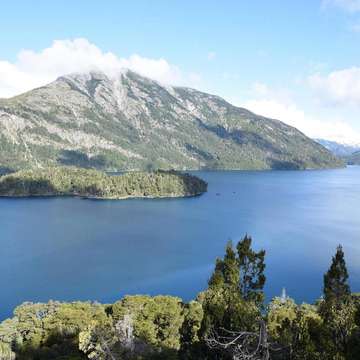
<point>272,104</point>
<point>351,6</point>
<point>338,87</point>
<point>33,69</point>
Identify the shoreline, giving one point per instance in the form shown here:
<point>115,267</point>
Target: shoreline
<point>90,197</point>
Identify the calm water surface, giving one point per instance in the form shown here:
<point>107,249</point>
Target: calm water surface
<point>67,249</point>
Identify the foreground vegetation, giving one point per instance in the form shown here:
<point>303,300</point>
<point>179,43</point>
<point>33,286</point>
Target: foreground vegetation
<point>71,181</point>
<point>229,320</point>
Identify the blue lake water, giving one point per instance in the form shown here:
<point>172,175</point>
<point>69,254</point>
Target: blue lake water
<point>68,249</point>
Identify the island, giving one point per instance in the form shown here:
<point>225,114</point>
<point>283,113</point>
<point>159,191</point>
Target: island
<point>89,183</point>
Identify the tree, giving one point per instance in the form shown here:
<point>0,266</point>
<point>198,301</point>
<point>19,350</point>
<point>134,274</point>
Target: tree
<point>242,272</point>
<point>337,309</point>
<point>252,267</point>
<point>294,329</point>
<point>243,345</point>
<point>190,342</point>
<point>336,286</point>
<point>234,297</point>
<point>226,271</point>
<point>5,352</point>
<point>99,341</point>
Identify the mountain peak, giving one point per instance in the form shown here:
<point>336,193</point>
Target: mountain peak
<point>128,121</point>
<point>95,74</point>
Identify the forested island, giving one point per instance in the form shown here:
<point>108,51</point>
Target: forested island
<point>228,321</point>
<point>72,181</point>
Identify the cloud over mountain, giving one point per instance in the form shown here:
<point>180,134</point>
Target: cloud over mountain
<point>33,69</point>
<point>281,105</point>
<point>338,87</point>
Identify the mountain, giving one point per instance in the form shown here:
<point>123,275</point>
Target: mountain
<point>339,149</point>
<point>132,122</point>
<point>354,159</point>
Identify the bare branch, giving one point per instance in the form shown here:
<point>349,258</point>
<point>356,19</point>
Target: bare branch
<point>242,345</point>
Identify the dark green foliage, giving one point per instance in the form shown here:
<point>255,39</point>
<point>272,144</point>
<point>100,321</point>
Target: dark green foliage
<point>295,329</point>
<point>163,327</point>
<point>252,267</point>
<point>81,159</point>
<point>50,331</point>
<point>336,287</point>
<point>338,310</point>
<point>71,181</point>
<point>234,298</point>
<point>157,320</point>
<point>190,340</point>
<point>226,273</point>
<point>80,330</point>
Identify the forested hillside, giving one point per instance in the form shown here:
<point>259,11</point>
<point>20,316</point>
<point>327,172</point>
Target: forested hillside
<point>129,122</point>
<point>229,320</point>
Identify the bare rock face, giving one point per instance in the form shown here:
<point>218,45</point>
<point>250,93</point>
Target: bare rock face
<point>131,122</point>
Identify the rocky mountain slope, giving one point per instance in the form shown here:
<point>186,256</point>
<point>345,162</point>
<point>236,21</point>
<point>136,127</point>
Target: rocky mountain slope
<point>131,122</point>
<point>339,149</point>
<point>354,159</point>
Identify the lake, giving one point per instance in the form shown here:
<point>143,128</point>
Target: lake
<point>69,248</point>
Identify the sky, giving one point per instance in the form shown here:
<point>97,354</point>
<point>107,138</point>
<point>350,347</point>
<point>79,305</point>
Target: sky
<point>296,61</point>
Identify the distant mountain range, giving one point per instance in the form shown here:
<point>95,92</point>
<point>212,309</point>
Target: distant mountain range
<point>132,122</point>
<point>350,153</point>
<point>339,149</point>
<point>354,159</point>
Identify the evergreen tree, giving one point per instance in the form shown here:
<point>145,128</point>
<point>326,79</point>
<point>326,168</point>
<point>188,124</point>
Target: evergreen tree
<point>234,296</point>
<point>336,287</point>
<point>338,310</point>
<point>251,266</point>
<point>226,273</point>
<point>217,278</point>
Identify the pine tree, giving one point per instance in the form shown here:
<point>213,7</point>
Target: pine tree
<point>252,267</point>
<point>231,268</point>
<point>336,287</point>
<point>338,309</point>
<point>217,278</point>
<point>226,273</point>
<point>234,297</point>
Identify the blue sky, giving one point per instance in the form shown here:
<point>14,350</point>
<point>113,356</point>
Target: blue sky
<point>298,61</point>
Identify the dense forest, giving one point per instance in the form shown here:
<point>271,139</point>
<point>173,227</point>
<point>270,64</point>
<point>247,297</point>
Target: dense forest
<point>229,320</point>
<point>72,181</point>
